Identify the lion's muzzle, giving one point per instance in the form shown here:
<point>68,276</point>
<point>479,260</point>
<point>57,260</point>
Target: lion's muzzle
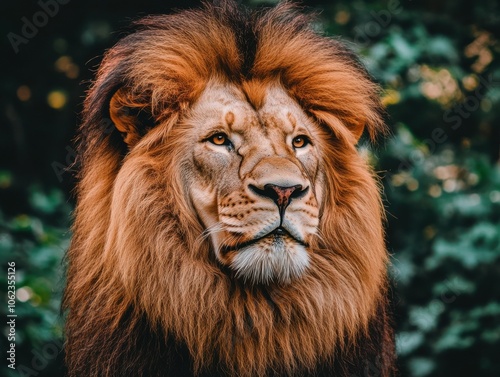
<point>282,196</point>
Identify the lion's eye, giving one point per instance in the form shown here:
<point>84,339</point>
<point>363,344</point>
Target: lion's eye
<point>300,141</point>
<point>219,139</point>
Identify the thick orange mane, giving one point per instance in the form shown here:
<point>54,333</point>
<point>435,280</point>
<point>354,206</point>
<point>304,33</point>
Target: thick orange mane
<point>141,278</point>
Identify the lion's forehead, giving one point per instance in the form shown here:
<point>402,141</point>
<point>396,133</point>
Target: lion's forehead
<point>227,106</point>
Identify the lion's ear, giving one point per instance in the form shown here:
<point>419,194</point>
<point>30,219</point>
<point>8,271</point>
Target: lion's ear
<point>357,130</point>
<point>373,124</point>
<point>370,120</point>
<point>130,116</point>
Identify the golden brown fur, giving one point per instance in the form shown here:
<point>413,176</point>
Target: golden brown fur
<point>141,278</point>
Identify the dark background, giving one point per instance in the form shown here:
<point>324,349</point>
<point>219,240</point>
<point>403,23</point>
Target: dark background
<point>437,62</point>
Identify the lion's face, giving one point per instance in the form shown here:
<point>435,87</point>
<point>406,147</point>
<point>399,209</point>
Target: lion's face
<point>255,182</point>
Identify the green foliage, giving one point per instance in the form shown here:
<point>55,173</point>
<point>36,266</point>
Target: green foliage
<point>441,178</point>
<point>36,241</point>
<point>445,263</point>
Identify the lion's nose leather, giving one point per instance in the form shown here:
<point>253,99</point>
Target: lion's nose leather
<point>282,196</point>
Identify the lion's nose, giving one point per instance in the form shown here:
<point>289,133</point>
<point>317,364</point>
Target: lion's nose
<point>282,196</point>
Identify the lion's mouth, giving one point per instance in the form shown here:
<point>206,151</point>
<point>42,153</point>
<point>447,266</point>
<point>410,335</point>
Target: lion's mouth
<point>278,234</point>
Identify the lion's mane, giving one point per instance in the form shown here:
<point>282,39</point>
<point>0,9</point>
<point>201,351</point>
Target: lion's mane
<point>144,294</point>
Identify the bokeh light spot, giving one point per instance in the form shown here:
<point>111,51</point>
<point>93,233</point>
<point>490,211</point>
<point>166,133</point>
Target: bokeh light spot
<point>56,99</point>
<point>23,93</point>
<point>23,294</point>
<point>65,65</point>
<point>495,196</point>
<point>470,82</point>
<point>342,17</point>
<point>412,184</point>
<point>435,191</point>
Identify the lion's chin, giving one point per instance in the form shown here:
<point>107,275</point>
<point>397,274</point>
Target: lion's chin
<point>273,259</point>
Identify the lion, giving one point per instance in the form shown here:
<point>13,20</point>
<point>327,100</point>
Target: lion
<point>226,224</point>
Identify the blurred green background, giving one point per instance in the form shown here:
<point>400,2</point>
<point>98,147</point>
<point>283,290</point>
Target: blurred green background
<point>437,62</point>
